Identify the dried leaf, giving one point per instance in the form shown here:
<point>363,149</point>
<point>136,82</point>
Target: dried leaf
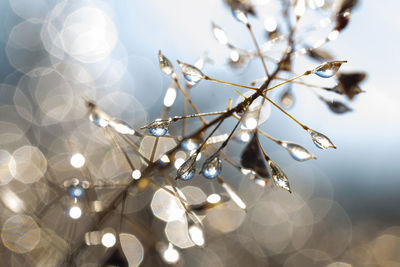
<point>336,106</point>
<point>253,159</point>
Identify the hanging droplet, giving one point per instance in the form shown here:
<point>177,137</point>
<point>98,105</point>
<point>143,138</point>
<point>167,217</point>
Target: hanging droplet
<point>240,15</point>
<point>76,191</point>
<point>121,127</point>
<point>158,128</point>
<point>219,34</point>
<point>165,64</point>
<point>287,99</point>
<point>278,176</point>
<point>212,167</point>
<point>192,74</point>
<point>300,8</point>
<point>320,140</point>
<point>253,159</point>
<point>187,170</point>
<point>336,106</point>
<point>328,69</point>
<point>98,117</point>
<point>243,136</point>
<point>190,144</point>
<point>298,152</point>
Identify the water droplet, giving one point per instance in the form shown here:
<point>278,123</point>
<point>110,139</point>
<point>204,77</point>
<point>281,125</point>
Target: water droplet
<point>243,136</point>
<point>253,159</point>
<point>278,176</point>
<point>219,34</point>
<point>191,74</point>
<point>240,15</point>
<point>158,131</point>
<point>158,128</point>
<point>328,69</point>
<point>320,140</point>
<point>287,99</point>
<point>165,64</point>
<point>121,127</point>
<point>190,144</point>
<point>297,152</point>
<point>187,170</point>
<point>76,191</point>
<point>98,118</point>
<point>212,167</point>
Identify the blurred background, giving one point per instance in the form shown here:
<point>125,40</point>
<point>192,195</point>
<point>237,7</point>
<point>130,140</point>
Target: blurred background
<point>344,207</point>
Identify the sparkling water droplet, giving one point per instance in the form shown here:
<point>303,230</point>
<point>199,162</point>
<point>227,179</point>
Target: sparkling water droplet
<point>328,69</point>
<point>158,131</point>
<point>121,127</point>
<point>298,152</point>
<point>278,176</point>
<point>191,74</point>
<point>240,15</point>
<point>187,170</point>
<point>243,136</point>
<point>190,144</point>
<point>98,118</point>
<point>158,128</point>
<point>165,64</point>
<point>212,167</point>
<point>320,140</point>
<point>76,191</point>
<point>219,34</point>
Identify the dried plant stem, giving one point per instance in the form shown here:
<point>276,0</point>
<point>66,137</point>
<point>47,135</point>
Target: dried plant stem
<point>287,114</point>
<point>253,37</point>
<point>229,83</point>
<point>283,79</point>
<point>187,98</point>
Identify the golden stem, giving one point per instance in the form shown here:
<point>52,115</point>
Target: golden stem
<point>228,83</point>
